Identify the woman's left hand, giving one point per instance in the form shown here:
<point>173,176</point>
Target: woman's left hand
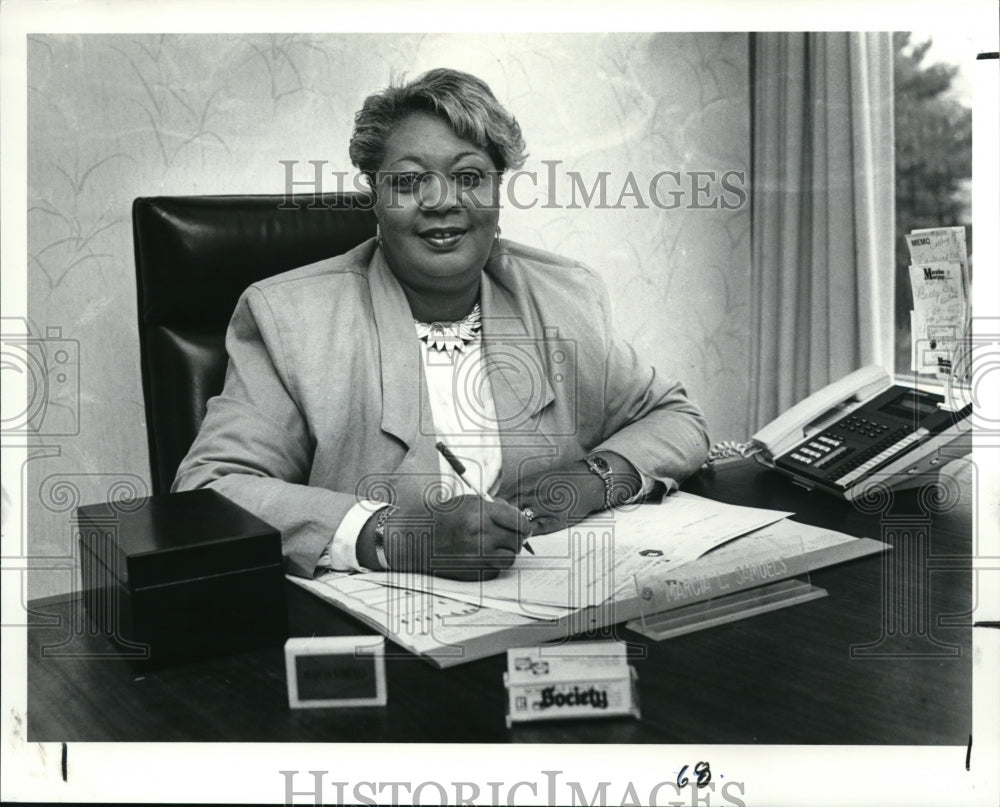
<point>559,497</point>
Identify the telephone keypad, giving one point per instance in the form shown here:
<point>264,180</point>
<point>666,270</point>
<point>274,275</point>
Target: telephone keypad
<point>901,439</point>
<point>837,453</point>
<point>820,450</point>
<point>860,425</point>
<point>831,448</point>
<point>872,451</point>
<point>877,434</point>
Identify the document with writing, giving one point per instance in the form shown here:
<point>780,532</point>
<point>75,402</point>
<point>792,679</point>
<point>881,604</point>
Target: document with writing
<point>584,565</point>
<point>939,279</point>
<point>588,576</point>
<point>446,630</point>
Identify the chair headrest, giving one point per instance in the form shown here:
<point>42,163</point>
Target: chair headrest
<point>196,254</point>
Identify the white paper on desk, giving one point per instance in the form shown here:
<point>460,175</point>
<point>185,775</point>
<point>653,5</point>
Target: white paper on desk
<point>366,594</point>
<point>421,622</point>
<point>469,593</point>
<point>584,565</point>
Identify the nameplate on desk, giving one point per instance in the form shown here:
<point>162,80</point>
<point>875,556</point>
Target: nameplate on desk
<point>569,680</point>
<point>335,671</point>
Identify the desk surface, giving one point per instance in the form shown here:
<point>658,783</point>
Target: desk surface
<point>784,677</point>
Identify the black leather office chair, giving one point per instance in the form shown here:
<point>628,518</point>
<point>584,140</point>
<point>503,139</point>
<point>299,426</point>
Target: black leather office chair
<point>194,255</point>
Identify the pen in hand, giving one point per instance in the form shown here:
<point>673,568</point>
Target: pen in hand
<point>459,469</point>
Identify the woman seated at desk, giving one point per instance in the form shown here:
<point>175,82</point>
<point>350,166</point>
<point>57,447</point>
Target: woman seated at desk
<point>345,376</point>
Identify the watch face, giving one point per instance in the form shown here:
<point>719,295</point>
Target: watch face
<point>600,465</point>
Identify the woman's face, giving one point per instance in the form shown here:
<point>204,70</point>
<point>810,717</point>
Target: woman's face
<point>436,204</point>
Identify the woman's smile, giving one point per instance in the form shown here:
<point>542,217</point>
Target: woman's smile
<point>442,239</point>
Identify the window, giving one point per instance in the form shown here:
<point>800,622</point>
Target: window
<point>933,122</point>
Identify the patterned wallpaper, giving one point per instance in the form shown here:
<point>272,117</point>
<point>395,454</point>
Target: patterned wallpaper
<point>112,117</point>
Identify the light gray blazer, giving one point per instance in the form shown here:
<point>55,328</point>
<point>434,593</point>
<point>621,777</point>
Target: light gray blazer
<point>324,403</point>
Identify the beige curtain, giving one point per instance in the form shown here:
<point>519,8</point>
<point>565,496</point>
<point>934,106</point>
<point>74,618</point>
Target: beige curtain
<point>822,191</point>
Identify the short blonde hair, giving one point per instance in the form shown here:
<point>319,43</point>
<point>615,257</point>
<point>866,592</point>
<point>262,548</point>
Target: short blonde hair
<point>466,102</point>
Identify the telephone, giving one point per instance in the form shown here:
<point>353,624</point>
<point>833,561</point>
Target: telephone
<point>860,429</point>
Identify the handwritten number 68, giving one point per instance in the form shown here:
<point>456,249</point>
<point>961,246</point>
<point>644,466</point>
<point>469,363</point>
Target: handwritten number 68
<point>702,773</point>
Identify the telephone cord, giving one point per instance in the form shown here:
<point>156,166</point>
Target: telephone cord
<point>727,449</point>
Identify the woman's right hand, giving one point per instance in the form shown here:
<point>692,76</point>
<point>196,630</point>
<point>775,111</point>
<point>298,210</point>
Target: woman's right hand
<point>465,538</point>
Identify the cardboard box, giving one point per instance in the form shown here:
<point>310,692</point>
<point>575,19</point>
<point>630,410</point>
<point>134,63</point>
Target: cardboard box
<point>182,576</point>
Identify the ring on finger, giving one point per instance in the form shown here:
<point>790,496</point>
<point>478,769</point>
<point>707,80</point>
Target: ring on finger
<point>528,513</point>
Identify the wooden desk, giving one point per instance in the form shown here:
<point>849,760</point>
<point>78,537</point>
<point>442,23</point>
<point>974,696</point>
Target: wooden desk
<point>789,676</point>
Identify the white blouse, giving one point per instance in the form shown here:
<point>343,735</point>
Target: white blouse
<point>465,420</point>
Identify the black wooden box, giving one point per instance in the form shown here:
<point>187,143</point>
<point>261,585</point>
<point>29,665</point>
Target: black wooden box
<point>182,576</point>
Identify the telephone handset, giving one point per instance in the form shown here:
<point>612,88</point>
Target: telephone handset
<point>811,414</point>
<point>859,429</point>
